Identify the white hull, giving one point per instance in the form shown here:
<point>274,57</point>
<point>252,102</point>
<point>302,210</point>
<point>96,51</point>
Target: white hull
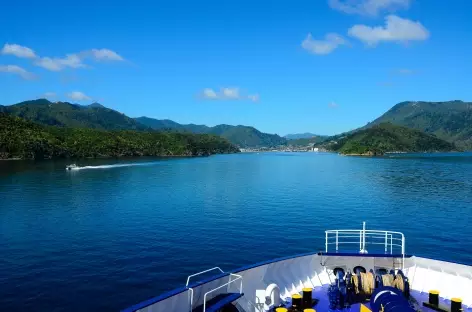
<point>292,274</point>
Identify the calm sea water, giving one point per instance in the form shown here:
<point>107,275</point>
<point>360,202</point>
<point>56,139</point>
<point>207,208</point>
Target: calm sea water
<point>106,237</point>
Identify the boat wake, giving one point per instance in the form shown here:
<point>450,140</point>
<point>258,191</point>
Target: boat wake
<point>114,166</point>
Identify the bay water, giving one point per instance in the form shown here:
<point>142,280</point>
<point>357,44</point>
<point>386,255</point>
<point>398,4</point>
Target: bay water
<point>117,232</point>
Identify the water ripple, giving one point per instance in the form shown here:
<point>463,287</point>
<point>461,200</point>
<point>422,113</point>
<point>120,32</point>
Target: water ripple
<point>106,238</point>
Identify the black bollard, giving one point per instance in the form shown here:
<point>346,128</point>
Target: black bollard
<point>307,294</point>
<point>297,302</point>
<point>456,305</point>
<point>434,297</point>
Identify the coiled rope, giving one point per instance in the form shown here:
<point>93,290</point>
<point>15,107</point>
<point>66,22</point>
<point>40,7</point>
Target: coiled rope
<point>355,282</point>
<point>387,279</point>
<point>398,282</point>
<point>368,283</point>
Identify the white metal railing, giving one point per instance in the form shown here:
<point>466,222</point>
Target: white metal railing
<point>393,242</point>
<point>238,277</point>
<point>202,272</point>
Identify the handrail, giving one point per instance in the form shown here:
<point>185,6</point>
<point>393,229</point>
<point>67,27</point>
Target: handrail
<point>193,275</point>
<point>238,277</point>
<point>389,239</point>
<point>190,290</point>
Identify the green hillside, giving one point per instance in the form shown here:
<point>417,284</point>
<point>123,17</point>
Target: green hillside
<point>159,124</point>
<point>386,137</point>
<point>94,116</point>
<point>306,141</point>
<point>242,136</point>
<point>451,121</point>
<point>27,140</point>
<point>295,136</point>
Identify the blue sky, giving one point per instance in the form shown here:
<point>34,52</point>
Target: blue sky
<point>323,66</point>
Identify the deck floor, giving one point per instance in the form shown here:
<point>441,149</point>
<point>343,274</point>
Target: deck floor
<point>321,293</point>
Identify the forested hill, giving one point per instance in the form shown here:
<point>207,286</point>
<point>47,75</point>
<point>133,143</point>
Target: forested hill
<point>243,136</point>
<point>94,116</point>
<point>451,120</point>
<point>23,139</point>
<point>386,137</point>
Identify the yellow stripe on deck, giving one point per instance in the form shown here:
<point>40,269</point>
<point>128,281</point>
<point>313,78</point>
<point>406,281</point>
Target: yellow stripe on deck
<point>364,309</point>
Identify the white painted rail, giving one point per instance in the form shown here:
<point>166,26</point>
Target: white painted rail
<point>238,277</point>
<point>343,241</point>
<point>203,272</point>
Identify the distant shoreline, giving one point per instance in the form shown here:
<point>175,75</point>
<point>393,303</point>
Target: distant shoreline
<point>111,157</point>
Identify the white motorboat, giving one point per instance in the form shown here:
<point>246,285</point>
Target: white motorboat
<point>71,166</point>
<point>378,276</point>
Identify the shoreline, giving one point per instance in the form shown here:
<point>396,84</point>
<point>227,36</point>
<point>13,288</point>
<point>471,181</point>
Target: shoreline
<point>112,157</point>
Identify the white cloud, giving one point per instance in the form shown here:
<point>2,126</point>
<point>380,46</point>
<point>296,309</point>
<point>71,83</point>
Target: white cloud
<point>231,93</point>
<point>58,64</point>
<point>105,55</point>
<point>49,95</point>
<point>253,97</point>
<point>17,70</point>
<point>332,105</point>
<point>396,29</point>
<point>18,51</point>
<point>209,93</point>
<point>78,96</point>
<point>368,7</point>
<point>73,60</point>
<point>326,46</point>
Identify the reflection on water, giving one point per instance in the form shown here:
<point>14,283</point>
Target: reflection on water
<point>110,237</point>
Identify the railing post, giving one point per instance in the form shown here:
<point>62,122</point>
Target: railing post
<point>386,238</point>
<point>403,252</point>
<point>360,241</point>
<point>363,235</point>
<point>336,241</point>
<point>190,290</point>
<point>391,243</point>
<point>326,241</point>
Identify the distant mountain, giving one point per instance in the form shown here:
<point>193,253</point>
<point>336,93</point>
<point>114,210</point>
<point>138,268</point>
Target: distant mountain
<point>386,137</point>
<point>242,136</point>
<point>451,121</point>
<point>24,139</point>
<point>159,124</point>
<point>295,136</point>
<point>96,116</point>
<point>65,114</point>
<point>307,141</point>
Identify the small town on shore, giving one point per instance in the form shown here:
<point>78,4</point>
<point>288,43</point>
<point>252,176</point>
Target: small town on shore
<point>283,148</point>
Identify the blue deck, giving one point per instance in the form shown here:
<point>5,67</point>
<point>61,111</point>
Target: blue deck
<point>321,294</point>
<point>219,302</point>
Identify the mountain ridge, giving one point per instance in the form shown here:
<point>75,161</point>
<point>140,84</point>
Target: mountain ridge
<point>305,135</point>
<point>65,114</point>
<point>387,137</point>
<point>97,116</point>
<point>448,120</point>
<point>24,139</point>
<point>243,136</point>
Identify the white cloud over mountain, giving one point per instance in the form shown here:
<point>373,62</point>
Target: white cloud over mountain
<point>73,60</point>
<point>228,93</point>
<point>78,96</point>
<point>17,70</point>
